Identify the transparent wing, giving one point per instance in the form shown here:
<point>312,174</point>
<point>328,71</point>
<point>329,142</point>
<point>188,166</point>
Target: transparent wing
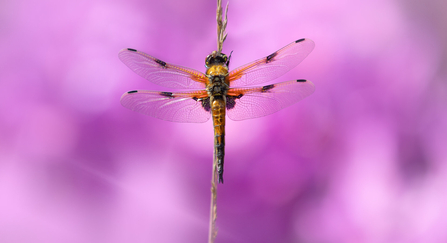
<point>247,103</point>
<point>272,66</point>
<point>177,107</point>
<point>160,72</point>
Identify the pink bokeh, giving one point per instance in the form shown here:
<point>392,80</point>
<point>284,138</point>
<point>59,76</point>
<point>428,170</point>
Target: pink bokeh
<point>363,159</point>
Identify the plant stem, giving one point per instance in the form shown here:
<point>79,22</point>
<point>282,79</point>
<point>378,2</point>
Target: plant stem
<point>213,209</point>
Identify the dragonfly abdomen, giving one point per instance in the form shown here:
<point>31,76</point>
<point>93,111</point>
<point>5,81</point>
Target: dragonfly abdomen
<point>218,113</point>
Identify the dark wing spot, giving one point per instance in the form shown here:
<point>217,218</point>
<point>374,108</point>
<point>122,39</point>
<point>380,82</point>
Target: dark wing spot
<point>299,40</point>
<point>267,88</point>
<point>270,57</point>
<point>167,94</point>
<point>133,91</point>
<point>163,64</point>
<point>206,103</point>
<point>301,80</point>
<point>130,49</point>
<point>231,101</point>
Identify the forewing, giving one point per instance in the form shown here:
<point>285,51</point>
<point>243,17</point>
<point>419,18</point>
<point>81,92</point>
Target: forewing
<point>272,66</point>
<point>190,107</point>
<point>160,72</point>
<point>247,103</point>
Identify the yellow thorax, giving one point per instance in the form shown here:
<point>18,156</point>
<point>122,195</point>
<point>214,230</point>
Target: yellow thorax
<point>217,70</point>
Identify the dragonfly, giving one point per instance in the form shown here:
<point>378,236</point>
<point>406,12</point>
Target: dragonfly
<point>217,92</point>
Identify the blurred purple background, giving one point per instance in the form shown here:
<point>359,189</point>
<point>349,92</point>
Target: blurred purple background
<point>363,159</point>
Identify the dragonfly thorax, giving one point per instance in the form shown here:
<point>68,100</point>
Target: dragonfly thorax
<point>217,89</point>
<point>217,70</point>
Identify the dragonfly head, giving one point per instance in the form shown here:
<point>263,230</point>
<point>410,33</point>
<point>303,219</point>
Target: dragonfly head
<point>216,58</point>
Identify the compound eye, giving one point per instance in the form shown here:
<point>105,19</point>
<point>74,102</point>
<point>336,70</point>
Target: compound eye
<point>225,58</point>
<point>207,60</point>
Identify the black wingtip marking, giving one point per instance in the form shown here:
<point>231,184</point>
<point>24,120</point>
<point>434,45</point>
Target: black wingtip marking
<point>133,91</point>
<point>299,40</point>
<point>271,56</point>
<point>130,49</point>
<point>267,88</point>
<point>163,64</point>
<point>301,80</point>
<point>167,94</point>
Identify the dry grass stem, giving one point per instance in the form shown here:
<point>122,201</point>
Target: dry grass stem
<point>221,25</point>
<point>213,209</point>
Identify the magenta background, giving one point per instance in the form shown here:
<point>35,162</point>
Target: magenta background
<point>363,159</point>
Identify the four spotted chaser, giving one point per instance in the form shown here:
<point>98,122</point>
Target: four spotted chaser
<point>218,91</point>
